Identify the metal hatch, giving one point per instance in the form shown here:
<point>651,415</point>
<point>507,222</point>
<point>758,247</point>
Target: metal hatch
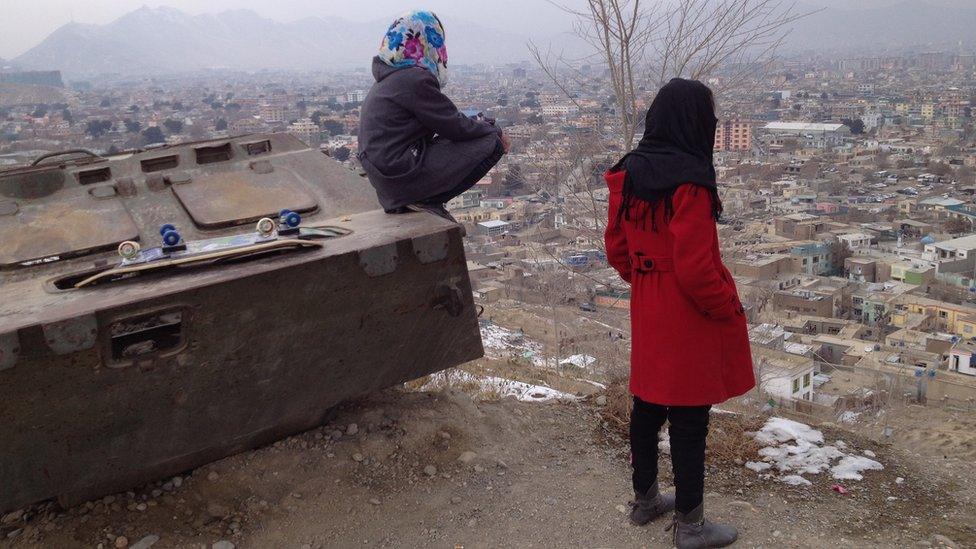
<point>225,199</point>
<point>76,224</point>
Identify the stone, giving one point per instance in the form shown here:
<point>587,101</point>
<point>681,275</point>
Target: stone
<point>222,544</point>
<point>177,482</point>
<point>12,516</point>
<point>601,400</point>
<point>357,457</point>
<point>146,542</point>
<point>943,541</point>
<point>352,429</point>
<point>141,507</point>
<point>745,505</point>
<point>217,510</point>
<point>430,471</point>
<point>374,501</point>
<point>467,457</point>
<point>212,476</point>
<point>156,493</point>
<point>14,533</point>
<point>121,542</point>
<point>621,508</point>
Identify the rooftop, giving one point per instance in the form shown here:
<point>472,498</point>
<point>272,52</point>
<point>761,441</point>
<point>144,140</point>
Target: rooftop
<point>803,126</point>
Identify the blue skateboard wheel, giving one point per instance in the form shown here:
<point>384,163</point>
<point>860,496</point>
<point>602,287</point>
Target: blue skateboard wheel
<point>284,212</point>
<point>171,238</point>
<point>166,228</point>
<point>292,219</point>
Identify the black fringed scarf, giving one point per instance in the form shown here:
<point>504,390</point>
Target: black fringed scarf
<point>677,148</point>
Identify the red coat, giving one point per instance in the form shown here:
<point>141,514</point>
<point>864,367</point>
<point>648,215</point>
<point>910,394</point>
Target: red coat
<point>690,341</point>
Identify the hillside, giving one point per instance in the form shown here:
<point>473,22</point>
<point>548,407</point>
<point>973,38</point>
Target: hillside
<point>414,469</point>
<point>166,40</point>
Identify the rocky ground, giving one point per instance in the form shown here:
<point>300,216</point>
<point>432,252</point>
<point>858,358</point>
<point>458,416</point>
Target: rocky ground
<point>410,469</point>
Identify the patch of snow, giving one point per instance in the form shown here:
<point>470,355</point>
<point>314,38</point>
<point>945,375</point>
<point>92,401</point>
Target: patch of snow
<point>850,467</point>
<point>500,342</point>
<point>795,480</point>
<point>664,442</point>
<point>580,361</point>
<point>525,392</point>
<point>794,449</point>
<point>758,466</point>
<point>848,416</point>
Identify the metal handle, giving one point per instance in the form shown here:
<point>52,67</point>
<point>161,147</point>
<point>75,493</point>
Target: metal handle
<point>43,157</point>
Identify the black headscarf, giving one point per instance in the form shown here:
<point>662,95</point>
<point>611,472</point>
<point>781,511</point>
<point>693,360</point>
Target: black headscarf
<point>677,148</point>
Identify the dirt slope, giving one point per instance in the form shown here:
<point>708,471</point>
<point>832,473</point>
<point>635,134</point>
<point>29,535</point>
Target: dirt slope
<point>440,470</point>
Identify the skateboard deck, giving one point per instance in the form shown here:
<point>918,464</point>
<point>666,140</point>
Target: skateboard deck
<point>210,250</point>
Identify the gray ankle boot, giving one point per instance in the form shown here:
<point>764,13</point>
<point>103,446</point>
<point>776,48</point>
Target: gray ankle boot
<point>650,505</point>
<point>692,531</point>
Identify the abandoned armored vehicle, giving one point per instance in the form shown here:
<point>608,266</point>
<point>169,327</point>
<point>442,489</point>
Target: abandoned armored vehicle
<point>161,309</point>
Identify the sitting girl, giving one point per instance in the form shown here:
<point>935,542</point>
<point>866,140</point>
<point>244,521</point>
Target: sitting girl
<point>414,145</point>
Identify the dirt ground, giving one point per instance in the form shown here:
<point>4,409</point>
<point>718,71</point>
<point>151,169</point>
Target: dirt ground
<point>408,469</point>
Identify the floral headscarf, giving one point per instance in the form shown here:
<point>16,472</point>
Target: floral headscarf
<point>416,39</point>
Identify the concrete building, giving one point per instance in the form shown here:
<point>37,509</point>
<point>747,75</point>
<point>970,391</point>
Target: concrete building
<point>271,113</point>
<point>306,130</point>
<point>808,134</point>
<point>784,375</point>
<point>733,135</point>
<point>962,358</point>
<point>805,302</point>
<point>493,228</point>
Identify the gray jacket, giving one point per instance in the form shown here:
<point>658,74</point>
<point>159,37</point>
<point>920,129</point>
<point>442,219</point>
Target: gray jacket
<point>405,163</point>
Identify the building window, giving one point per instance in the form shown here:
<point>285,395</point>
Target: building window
<point>796,385</point>
<point>943,314</point>
<point>806,380</point>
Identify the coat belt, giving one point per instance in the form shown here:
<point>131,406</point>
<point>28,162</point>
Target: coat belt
<point>647,263</point>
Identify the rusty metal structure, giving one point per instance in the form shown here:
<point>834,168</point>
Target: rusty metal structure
<point>114,384</point>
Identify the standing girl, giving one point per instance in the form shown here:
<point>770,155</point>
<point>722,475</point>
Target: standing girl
<point>690,341</point>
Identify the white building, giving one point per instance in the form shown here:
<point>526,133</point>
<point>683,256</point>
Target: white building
<point>495,227</point>
<point>856,240</point>
<point>957,248</point>
<point>962,360</point>
<point>809,134</point>
<point>784,375</point>
<point>561,110</point>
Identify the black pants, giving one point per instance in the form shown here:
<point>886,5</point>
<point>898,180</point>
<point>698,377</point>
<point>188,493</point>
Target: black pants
<point>688,429</point>
<point>475,176</point>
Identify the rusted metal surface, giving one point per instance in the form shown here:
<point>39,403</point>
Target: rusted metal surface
<point>71,223</point>
<point>224,199</point>
<point>107,387</point>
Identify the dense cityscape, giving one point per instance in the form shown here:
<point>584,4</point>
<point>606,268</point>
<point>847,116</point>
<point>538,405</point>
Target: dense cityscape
<point>849,223</point>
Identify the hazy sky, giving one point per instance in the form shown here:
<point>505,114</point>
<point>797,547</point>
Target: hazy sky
<point>24,23</point>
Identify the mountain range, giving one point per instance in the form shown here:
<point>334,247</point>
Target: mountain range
<point>165,40</point>
<point>895,27</point>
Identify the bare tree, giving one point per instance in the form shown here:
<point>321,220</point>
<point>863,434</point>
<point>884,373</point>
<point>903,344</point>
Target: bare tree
<point>644,43</point>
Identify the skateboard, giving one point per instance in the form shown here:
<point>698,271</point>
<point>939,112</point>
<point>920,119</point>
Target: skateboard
<point>268,236</point>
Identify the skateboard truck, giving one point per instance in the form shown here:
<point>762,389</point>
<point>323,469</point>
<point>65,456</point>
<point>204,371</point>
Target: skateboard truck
<point>172,241</point>
<point>288,222</point>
